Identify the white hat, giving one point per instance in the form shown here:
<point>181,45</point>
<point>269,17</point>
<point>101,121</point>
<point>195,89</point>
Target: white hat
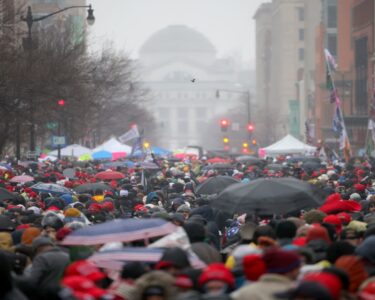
<point>124,193</point>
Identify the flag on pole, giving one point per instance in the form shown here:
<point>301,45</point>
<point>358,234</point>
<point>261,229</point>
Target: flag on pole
<point>331,62</point>
<point>133,133</point>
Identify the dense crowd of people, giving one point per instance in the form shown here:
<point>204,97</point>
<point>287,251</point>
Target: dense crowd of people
<point>321,253</point>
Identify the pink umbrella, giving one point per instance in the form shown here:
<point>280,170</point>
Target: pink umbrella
<point>22,179</point>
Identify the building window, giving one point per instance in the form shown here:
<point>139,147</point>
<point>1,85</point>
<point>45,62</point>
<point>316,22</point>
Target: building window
<point>332,44</point>
<point>332,16</point>
<point>301,53</point>
<point>182,113</point>
<point>301,34</point>
<point>301,14</point>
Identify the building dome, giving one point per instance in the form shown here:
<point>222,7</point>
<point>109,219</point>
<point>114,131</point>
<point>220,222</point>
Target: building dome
<point>177,39</point>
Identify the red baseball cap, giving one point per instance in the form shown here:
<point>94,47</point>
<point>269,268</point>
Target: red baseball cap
<point>82,286</point>
<point>86,269</point>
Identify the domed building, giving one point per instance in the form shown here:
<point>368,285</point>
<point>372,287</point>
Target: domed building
<point>182,73</point>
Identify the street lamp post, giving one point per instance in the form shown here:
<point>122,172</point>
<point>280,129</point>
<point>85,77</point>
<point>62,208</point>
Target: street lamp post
<point>28,45</point>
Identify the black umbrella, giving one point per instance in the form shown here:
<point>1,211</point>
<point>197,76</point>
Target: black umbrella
<point>268,196</point>
<point>311,165</point>
<point>6,224</point>
<point>215,185</point>
<point>6,195</point>
<point>275,167</point>
<point>91,187</point>
<point>248,159</point>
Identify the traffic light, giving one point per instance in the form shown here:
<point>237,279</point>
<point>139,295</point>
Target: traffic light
<point>146,145</point>
<point>254,142</point>
<point>250,128</point>
<point>245,145</point>
<point>245,148</point>
<point>224,123</point>
<point>226,141</point>
<point>61,102</point>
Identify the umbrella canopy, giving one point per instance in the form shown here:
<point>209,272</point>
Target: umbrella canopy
<point>102,154</point>
<point>160,151</point>
<point>91,187</point>
<point>123,164</point>
<point>119,230</point>
<point>6,195</point>
<point>115,259</point>
<point>5,167</point>
<point>50,188</point>
<point>219,167</point>
<point>109,175</point>
<point>22,179</point>
<point>248,159</point>
<point>218,160</point>
<point>268,196</point>
<point>215,185</point>
<point>311,165</point>
<point>275,167</point>
<point>74,150</point>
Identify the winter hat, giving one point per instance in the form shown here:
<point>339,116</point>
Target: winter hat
<point>307,290</point>
<point>366,249</point>
<point>41,241</point>
<point>360,187</point>
<point>314,216</point>
<point>335,221</point>
<point>176,257</point>
<point>29,235</point>
<point>195,231</point>
<point>84,268</point>
<point>334,204</point>
<point>337,249</point>
<point>151,196</point>
<point>6,241</point>
<point>253,266</point>
<point>183,208</point>
<point>62,233</point>
<point>367,290</point>
<point>357,226</point>
<point>286,229</point>
<point>355,196</point>
<point>72,212</point>
<point>344,217</point>
<point>331,282</point>
<point>281,261</point>
<point>108,206</point>
<point>83,288</point>
<point>67,198</point>
<point>355,269</point>
<point>216,271</point>
<point>317,232</point>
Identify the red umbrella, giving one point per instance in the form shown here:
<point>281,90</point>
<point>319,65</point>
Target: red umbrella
<point>22,179</point>
<point>109,175</point>
<point>218,160</point>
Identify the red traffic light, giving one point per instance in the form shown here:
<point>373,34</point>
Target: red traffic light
<point>224,122</point>
<point>250,127</point>
<point>61,102</point>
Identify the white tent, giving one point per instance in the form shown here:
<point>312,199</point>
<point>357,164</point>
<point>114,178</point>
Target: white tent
<point>289,145</point>
<point>113,146</point>
<point>74,150</point>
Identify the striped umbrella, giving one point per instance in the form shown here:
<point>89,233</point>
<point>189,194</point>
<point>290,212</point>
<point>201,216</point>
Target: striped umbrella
<point>22,179</point>
<point>115,259</point>
<point>119,230</point>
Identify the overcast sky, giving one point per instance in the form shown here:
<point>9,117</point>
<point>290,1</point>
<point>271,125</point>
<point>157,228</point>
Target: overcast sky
<point>228,24</point>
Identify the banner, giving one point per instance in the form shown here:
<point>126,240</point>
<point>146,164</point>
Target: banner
<point>133,133</point>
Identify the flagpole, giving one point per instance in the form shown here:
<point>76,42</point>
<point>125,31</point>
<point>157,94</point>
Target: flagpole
<point>345,136</point>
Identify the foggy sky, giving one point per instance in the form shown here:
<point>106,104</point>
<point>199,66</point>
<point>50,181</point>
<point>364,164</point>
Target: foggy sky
<point>129,23</point>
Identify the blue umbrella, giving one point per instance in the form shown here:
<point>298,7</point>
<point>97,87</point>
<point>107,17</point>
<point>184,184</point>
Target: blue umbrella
<point>119,230</point>
<point>160,151</point>
<point>115,164</point>
<point>102,155</point>
<point>6,166</point>
<point>51,188</point>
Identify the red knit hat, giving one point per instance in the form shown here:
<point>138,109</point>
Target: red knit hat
<point>360,187</point>
<point>317,232</point>
<point>300,241</point>
<point>355,268</point>
<point>280,261</point>
<point>334,220</point>
<point>344,217</point>
<point>253,267</point>
<point>216,271</point>
<point>328,280</point>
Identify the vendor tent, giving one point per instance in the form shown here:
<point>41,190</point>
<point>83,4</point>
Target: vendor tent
<point>74,150</point>
<point>288,145</point>
<point>113,146</point>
